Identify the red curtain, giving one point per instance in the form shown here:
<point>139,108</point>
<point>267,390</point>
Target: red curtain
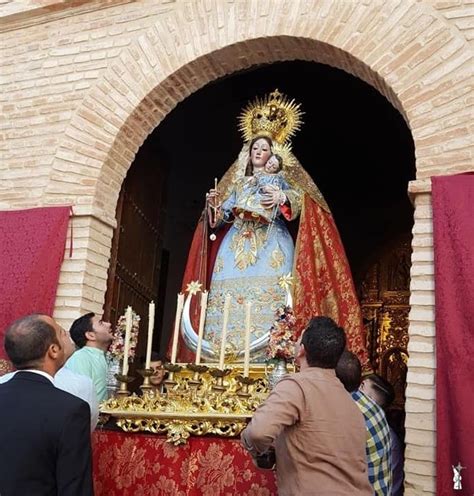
<point>147,465</point>
<point>32,246</point>
<point>453,230</point>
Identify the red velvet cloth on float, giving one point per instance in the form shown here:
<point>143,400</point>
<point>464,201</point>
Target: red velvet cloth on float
<point>147,465</point>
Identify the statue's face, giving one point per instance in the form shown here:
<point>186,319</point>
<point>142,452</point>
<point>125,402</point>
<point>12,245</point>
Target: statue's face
<point>272,166</point>
<point>260,153</point>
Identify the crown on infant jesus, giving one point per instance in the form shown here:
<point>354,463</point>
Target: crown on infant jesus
<point>274,116</point>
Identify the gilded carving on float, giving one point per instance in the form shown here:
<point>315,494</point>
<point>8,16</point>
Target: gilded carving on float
<point>195,403</point>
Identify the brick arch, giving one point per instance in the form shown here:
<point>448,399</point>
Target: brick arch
<point>406,51</point>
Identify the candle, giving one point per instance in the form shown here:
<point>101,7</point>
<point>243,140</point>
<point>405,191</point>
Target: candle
<point>248,307</point>
<point>225,319</point>
<point>202,319</point>
<point>151,324</point>
<point>177,322</point>
<point>128,333</point>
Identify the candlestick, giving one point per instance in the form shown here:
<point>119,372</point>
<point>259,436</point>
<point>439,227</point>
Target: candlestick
<point>225,319</point>
<point>202,320</point>
<point>177,322</point>
<point>128,333</point>
<point>146,374</point>
<point>151,324</point>
<point>219,375</point>
<point>248,307</point>
<point>246,382</point>
<point>124,380</point>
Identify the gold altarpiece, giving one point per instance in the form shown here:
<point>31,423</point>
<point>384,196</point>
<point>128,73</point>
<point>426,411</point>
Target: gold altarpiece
<point>384,296</point>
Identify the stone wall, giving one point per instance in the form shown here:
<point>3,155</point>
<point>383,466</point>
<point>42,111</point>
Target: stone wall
<point>84,83</point>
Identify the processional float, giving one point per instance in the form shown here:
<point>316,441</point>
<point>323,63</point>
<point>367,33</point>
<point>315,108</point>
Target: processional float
<point>218,391</point>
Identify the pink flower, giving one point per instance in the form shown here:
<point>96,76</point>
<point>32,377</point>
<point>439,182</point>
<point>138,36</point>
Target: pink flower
<point>282,335</point>
<point>117,347</point>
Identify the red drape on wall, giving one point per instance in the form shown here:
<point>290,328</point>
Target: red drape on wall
<point>147,465</point>
<point>32,246</point>
<point>453,230</point>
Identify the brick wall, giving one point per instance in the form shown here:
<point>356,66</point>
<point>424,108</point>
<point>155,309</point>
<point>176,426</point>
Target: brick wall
<point>84,83</point>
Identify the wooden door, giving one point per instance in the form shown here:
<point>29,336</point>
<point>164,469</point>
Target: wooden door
<point>135,267</point>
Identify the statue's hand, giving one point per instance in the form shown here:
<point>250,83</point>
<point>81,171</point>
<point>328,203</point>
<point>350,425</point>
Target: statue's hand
<point>213,197</point>
<point>273,196</point>
<point>213,207</point>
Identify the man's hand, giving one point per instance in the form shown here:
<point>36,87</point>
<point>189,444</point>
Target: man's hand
<point>266,460</point>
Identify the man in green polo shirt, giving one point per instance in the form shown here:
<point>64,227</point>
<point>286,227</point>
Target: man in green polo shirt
<point>93,337</point>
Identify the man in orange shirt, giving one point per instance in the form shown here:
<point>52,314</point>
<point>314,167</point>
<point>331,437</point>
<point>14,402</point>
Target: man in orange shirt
<point>316,429</point>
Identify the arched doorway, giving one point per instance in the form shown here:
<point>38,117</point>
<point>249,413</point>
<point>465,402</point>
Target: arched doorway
<point>354,143</point>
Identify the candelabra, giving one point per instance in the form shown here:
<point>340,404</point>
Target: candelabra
<point>197,400</point>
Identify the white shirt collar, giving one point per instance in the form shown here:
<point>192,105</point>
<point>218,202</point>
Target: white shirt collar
<point>40,372</point>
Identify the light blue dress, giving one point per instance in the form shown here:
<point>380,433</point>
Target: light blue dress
<point>252,257</point>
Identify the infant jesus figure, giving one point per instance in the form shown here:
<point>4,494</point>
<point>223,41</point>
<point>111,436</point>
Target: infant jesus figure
<point>256,191</point>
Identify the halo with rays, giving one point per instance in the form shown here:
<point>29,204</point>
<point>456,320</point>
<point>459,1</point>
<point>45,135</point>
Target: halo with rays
<point>274,116</point>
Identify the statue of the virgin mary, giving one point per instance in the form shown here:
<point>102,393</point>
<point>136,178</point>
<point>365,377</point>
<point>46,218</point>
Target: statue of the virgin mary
<point>250,253</point>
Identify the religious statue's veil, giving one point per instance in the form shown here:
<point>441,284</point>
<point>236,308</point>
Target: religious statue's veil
<point>321,278</point>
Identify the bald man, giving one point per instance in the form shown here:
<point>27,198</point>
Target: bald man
<point>45,446</point>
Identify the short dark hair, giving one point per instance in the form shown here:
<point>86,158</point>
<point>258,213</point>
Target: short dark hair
<point>349,371</point>
<point>79,328</point>
<point>383,389</point>
<point>27,340</point>
<point>324,341</point>
<point>155,357</point>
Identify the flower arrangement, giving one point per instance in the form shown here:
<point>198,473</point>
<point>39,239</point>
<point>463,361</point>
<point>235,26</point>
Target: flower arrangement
<point>116,349</point>
<point>282,336</point>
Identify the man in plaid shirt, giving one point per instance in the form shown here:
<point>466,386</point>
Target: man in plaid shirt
<point>378,447</point>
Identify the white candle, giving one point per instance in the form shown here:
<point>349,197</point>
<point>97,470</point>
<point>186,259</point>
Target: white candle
<point>248,307</point>
<point>151,324</point>
<point>177,322</point>
<point>225,319</point>
<point>128,333</point>
<point>202,320</point>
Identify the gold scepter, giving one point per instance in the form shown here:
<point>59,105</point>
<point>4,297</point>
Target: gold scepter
<point>213,210</point>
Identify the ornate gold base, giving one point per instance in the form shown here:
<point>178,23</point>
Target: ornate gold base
<point>178,431</point>
<point>196,402</point>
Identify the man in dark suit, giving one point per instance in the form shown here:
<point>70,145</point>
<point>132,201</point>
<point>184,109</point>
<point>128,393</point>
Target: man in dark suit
<point>45,447</point>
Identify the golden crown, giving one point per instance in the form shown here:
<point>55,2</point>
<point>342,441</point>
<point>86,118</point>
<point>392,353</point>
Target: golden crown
<point>274,116</point>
